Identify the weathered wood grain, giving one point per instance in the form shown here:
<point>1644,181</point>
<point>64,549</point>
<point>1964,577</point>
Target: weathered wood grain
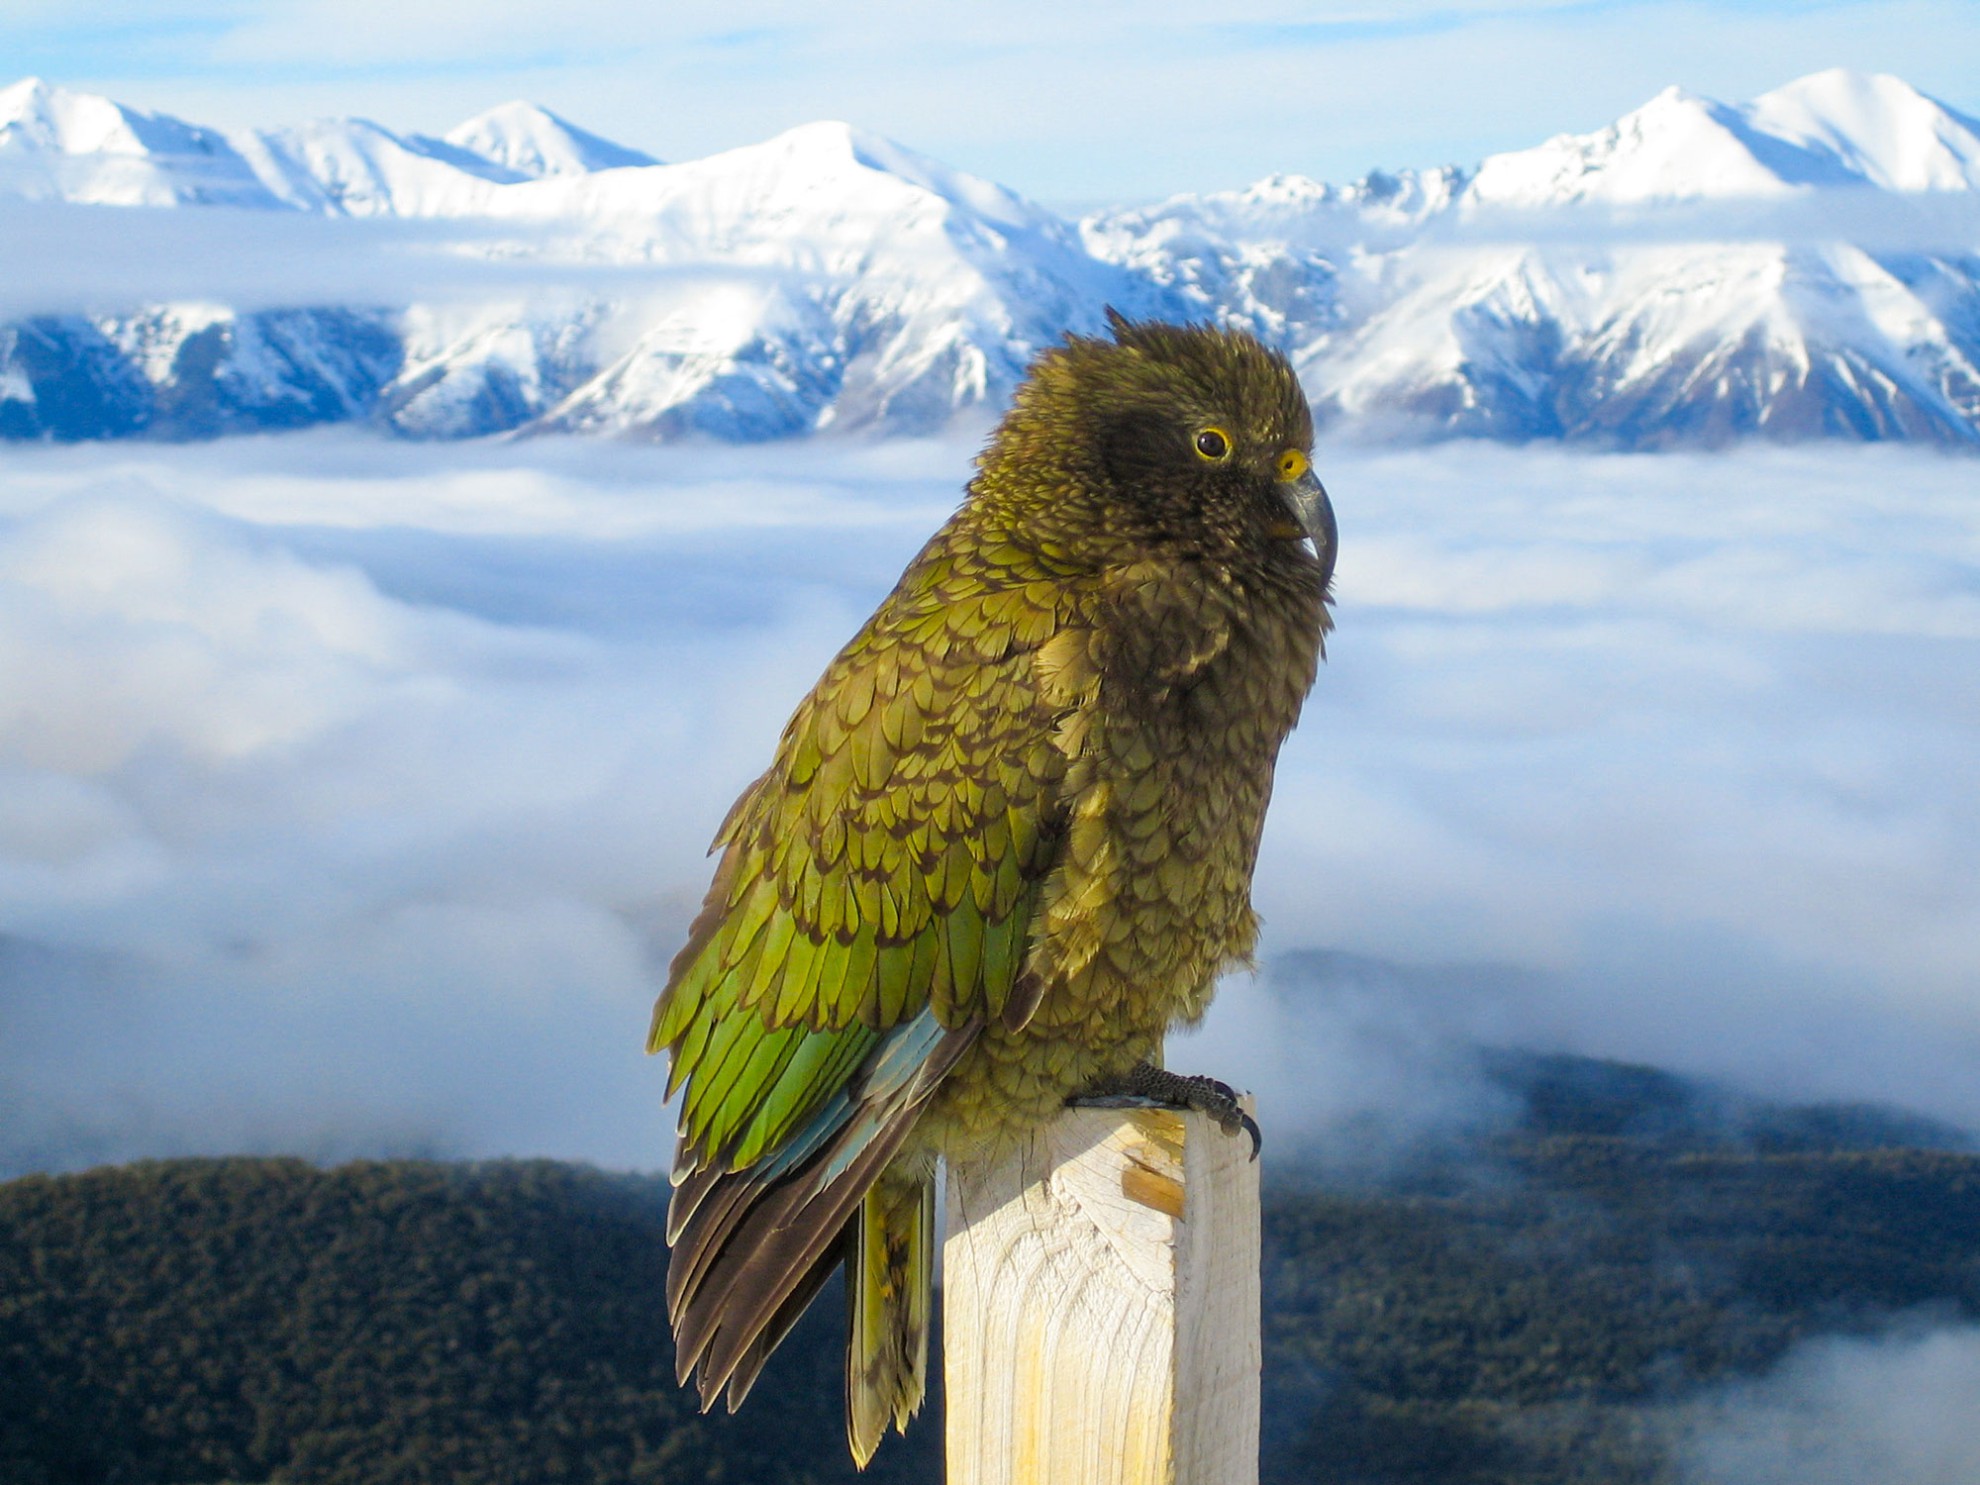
<point>1100,1307</point>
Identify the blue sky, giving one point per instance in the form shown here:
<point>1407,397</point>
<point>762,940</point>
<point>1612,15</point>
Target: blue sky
<point>1071,104</point>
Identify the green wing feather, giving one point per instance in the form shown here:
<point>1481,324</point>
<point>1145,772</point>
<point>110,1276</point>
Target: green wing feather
<point>889,859</point>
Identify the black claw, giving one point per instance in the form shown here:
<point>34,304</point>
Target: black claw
<point>1158,1085</point>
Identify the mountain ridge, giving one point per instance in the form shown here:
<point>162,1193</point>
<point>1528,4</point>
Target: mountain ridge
<point>870,287</point>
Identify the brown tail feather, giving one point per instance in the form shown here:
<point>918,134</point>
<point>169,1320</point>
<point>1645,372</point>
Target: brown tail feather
<point>752,1361</point>
<point>776,1241</point>
<point>697,1244</point>
<point>748,1245</point>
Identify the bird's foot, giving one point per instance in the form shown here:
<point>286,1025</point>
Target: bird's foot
<point>1145,1083</point>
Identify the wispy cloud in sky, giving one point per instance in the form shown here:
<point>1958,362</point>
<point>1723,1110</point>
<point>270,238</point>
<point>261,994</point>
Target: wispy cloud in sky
<point>1091,103</point>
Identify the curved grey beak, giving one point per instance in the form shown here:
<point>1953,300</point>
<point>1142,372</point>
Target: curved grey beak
<point>1316,514</point>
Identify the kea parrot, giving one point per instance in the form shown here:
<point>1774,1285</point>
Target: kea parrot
<point>1005,844</point>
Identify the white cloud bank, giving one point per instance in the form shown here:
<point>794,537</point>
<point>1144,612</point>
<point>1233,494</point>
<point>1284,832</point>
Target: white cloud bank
<point>1897,1409</point>
<point>65,258</point>
<point>352,795</point>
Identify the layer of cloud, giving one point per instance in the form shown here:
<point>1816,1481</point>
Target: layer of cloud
<point>350,837</point>
<point>1901,1409</point>
<point>353,794</point>
<point>1879,221</point>
<point>1688,736</point>
<point>67,259</point>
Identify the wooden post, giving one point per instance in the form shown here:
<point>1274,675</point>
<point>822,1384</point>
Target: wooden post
<point>1100,1306</point>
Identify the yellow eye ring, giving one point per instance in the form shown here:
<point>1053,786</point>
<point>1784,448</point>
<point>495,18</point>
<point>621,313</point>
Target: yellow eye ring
<point>1292,465</point>
<point>1213,444</point>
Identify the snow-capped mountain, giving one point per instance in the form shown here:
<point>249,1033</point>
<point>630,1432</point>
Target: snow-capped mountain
<point>1279,256</point>
<point>1875,128</point>
<point>57,145</point>
<point>1834,129</point>
<point>534,143</point>
<point>857,283</point>
<point>355,168</point>
<point>1686,275</point>
<point>823,278</point>
<point>832,279</point>
<point>61,146</point>
<point>1694,272</point>
<point>1608,326</point>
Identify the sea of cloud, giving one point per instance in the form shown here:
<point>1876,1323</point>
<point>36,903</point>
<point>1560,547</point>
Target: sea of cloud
<point>353,794</point>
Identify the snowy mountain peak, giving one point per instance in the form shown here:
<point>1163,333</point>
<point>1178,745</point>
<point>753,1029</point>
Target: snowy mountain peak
<point>830,146</point>
<point>830,154</point>
<point>353,167</point>
<point>1834,128</point>
<point>56,145</point>
<point>1676,147</point>
<point>830,143</point>
<point>535,143</point>
<point>1876,127</point>
<point>34,112</point>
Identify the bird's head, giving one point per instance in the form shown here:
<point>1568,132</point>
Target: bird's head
<point>1168,433</point>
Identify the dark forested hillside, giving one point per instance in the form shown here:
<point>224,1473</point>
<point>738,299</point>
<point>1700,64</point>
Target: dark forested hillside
<point>1529,1330</point>
<point>250,1320</point>
<point>1522,1315</point>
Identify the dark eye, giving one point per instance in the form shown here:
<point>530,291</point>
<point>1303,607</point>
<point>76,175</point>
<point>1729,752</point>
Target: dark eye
<point>1214,444</point>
